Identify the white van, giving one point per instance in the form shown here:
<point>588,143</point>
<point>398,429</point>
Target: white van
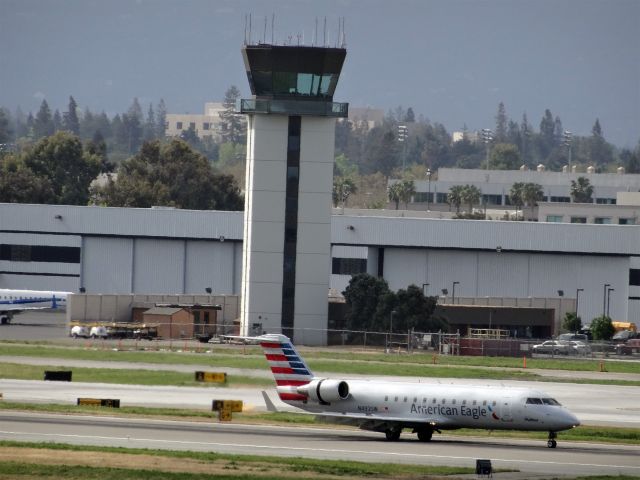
<point>98,332</point>
<point>79,331</point>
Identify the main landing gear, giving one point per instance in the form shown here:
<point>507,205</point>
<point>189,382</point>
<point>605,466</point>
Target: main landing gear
<point>393,434</point>
<point>551,443</point>
<point>424,434</point>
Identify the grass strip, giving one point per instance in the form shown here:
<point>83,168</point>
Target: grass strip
<point>126,376</point>
<point>324,467</point>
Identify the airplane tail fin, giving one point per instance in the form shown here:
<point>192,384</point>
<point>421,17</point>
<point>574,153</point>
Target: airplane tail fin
<point>288,367</point>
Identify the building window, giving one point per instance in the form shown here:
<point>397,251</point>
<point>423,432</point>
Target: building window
<point>560,199</point>
<point>179,125</point>
<point>626,221</point>
<point>634,277</point>
<point>606,201</point>
<point>602,220</point>
<point>39,253</point>
<point>578,219</point>
<point>192,125</point>
<point>205,125</point>
<point>348,266</point>
<point>554,218</point>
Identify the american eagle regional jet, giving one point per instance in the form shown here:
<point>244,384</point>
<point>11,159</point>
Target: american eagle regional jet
<point>390,407</point>
<point>16,301</point>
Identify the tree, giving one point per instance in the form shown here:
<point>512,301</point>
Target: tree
<point>547,133</point>
<point>98,147</point>
<point>581,191</point>
<point>5,130</point>
<point>150,125</point>
<point>410,117</point>
<point>18,183</point>
<point>362,295</point>
<point>342,167</point>
<point>532,193</point>
<point>70,120</point>
<point>516,196</point>
<point>600,151</point>
<point>470,195</point>
<point>230,122</point>
<point>501,124</point>
<point>61,160</point>
<point>393,193</point>
<point>454,197</point>
<point>43,124</point>
<point>414,311</point>
<point>161,119</point>
<point>343,187</point>
<point>571,322</point>
<point>602,328</point>
<point>171,174</point>
<point>407,189</point>
<point>504,156</point>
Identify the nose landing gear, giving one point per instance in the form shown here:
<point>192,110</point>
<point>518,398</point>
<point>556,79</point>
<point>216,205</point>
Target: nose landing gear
<point>551,443</point>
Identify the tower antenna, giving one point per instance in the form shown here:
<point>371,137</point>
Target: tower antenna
<point>324,39</point>
<point>315,34</point>
<point>249,29</point>
<point>264,33</point>
<point>273,21</point>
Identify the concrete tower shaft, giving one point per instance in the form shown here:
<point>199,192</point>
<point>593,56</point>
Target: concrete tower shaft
<point>290,149</point>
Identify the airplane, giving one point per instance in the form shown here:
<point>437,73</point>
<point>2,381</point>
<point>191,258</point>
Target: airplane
<point>13,302</point>
<point>390,407</point>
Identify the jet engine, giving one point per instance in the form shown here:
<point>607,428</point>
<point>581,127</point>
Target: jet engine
<point>325,391</point>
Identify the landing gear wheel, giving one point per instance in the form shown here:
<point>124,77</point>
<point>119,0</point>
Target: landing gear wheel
<point>551,444</point>
<point>425,435</point>
<point>392,435</point>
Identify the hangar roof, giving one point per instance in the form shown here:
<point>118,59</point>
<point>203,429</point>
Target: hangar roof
<point>377,229</point>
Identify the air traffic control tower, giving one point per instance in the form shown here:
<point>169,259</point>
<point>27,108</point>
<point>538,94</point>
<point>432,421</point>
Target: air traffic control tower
<point>289,180</point>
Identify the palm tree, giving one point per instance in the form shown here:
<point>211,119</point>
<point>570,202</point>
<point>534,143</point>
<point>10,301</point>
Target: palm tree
<point>393,192</point>
<point>407,190</point>
<point>516,194</point>
<point>454,197</point>
<point>532,193</point>
<point>581,191</point>
<point>471,195</point>
<point>343,187</point>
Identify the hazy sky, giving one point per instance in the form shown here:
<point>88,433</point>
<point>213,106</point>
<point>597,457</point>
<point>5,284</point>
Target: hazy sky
<point>452,61</point>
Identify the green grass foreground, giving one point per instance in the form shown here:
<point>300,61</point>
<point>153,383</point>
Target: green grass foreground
<point>300,465</point>
<point>584,433</point>
<point>126,376</point>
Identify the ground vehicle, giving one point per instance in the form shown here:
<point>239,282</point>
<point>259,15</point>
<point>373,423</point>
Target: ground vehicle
<point>630,347</point>
<point>580,348</point>
<point>623,335</point>
<point>79,331</point>
<point>573,336</point>
<point>554,347</point>
<point>98,332</point>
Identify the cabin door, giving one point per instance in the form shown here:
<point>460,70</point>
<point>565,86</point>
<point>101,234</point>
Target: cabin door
<point>505,410</point>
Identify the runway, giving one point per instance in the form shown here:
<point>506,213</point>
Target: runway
<point>569,458</point>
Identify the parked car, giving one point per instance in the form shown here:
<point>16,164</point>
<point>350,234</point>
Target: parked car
<point>553,347</point>
<point>629,347</point>
<point>580,348</point>
<point>99,332</point>
<point>623,335</point>
<point>79,331</point>
<point>567,337</point>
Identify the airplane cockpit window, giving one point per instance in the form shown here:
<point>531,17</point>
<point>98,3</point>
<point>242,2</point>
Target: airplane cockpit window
<point>534,401</point>
<point>550,401</point>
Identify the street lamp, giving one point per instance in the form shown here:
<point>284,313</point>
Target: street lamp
<point>403,133</point>
<point>604,298</point>
<point>424,288</point>
<point>577,295</point>
<point>393,312</point>
<point>453,292</point>
<point>608,299</point>
<point>429,187</point>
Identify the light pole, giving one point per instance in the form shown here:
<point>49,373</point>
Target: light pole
<point>393,312</point>
<point>424,288</point>
<point>453,292</point>
<point>428,188</point>
<point>604,298</point>
<point>608,300</point>
<point>403,133</point>
<point>577,295</point>
<point>487,136</point>
<point>567,142</point>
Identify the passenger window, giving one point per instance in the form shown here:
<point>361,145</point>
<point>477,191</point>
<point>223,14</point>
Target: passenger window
<point>484,402</point>
<point>396,399</point>
<point>405,399</point>
<point>386,398</point>
<point>424,400</point>
<point>474,402</point>
<point>454,401</point>
<point>443,400</point>
<point>464,402</point>
<point>415,399</point>
<point>434,401</point>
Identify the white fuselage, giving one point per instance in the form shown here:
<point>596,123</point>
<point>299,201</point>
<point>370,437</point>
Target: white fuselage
<point>449,406</point>
<point>19,300</point>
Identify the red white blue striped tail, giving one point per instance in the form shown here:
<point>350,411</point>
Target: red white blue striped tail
<point>288,368</point>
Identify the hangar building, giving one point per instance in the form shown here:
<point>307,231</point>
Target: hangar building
<point>169,251</point>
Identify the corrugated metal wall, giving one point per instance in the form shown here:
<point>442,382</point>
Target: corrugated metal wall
<point>107,264</point>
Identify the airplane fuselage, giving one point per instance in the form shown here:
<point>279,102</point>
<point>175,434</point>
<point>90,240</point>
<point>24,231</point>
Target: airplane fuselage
<point>16,301</point>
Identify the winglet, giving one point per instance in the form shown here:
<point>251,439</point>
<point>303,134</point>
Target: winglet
<point>267,401</point>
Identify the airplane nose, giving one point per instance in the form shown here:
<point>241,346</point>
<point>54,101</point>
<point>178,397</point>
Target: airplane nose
<point>572,420</point>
